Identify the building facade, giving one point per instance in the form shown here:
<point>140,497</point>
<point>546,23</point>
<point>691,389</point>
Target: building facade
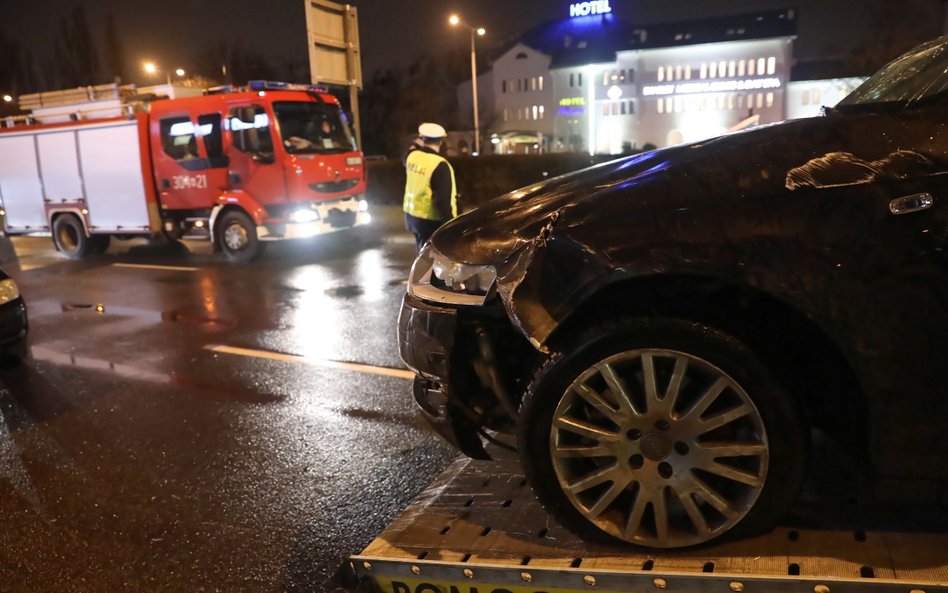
<point>593,83</point>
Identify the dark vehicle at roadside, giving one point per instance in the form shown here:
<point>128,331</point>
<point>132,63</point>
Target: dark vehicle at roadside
<point>13,321</point>
<point>663,333</point>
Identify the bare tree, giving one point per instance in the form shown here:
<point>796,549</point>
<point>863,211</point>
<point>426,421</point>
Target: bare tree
<point>75,59</point>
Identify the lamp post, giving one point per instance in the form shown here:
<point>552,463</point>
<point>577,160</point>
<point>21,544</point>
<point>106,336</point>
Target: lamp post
<point>455,21</point>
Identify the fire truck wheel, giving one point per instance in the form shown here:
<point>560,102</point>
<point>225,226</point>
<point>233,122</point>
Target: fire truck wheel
<point>237,237</point>
<point>69,236</point>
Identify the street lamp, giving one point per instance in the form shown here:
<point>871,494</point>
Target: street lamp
<point>8,98</point>
<point>151,68</point>
<point>455,21</point>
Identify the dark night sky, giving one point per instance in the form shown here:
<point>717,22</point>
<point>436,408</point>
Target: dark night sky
<point>395,32</point>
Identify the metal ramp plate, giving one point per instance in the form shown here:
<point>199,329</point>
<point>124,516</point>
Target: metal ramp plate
<point>478,528</point>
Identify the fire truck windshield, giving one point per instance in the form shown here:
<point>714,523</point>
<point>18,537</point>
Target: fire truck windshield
<point>313,128</point>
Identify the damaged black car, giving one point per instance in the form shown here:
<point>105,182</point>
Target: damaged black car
<point>659,336</point>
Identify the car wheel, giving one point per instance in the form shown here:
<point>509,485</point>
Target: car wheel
<point>69,236</point>
<point>661,433</point>
<point>237,237</point>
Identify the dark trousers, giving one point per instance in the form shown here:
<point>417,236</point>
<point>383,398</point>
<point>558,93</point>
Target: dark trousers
<point>422,228</point>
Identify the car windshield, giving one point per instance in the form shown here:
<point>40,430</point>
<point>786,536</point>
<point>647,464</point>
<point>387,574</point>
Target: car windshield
<point>313,128</point>
<point>918,75</point>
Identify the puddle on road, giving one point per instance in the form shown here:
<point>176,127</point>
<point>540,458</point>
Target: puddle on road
<point>153,316</point>
<point>346,292</point>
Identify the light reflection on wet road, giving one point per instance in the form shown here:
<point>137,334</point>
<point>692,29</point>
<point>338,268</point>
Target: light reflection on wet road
<point>136,457</point>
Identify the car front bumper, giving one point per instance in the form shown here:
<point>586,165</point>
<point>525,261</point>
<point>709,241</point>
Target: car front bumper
<point>426,340</point>
<point>13,329</point>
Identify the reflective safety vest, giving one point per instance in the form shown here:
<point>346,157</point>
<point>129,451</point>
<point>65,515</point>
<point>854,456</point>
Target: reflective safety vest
<point>420,166</point>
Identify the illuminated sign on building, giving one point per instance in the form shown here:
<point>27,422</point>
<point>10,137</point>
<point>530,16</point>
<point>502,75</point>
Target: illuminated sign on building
<point>587,8</point>
<point>572,106</point>
<point>723,86</point>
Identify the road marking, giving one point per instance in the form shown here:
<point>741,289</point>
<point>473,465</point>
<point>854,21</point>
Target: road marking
<point>152,267</point>
<point>331,364</point>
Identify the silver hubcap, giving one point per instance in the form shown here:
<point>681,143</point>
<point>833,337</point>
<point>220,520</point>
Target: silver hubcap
<point>236,237</point>
<point>659,448</point>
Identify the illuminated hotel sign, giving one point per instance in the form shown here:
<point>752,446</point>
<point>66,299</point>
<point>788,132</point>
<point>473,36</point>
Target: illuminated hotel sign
<point>722,86</point>
<point>587,8</point>
<point>572,106</point>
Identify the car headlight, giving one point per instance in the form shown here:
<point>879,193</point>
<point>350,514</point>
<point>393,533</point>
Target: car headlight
<point>304,215</point>
<point>8,291</point>
<point>435,277</point>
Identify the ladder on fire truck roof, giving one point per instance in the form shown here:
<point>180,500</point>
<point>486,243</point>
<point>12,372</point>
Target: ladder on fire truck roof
<point>478,527</point>
<point>89,103</point>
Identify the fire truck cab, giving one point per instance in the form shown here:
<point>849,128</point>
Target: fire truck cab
<point>268,162</point>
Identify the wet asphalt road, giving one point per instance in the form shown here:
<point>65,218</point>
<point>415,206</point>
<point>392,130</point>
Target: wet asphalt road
<point>134,457</point>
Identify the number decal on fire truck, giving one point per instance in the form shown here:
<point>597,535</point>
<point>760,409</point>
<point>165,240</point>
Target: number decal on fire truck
<point>189,182</point>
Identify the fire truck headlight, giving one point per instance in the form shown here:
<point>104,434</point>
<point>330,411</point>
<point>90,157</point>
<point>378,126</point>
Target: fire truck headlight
<point>8,291</point>
<point>304,215</point>
<point>363,206</point>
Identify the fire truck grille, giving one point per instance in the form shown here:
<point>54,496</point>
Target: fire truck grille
<point>330,187</point>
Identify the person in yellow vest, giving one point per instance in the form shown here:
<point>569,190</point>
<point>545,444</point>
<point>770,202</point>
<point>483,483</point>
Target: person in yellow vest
<point>431,197</point>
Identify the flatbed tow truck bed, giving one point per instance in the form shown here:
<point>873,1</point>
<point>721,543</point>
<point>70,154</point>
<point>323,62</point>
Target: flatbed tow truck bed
<point>478,528</point>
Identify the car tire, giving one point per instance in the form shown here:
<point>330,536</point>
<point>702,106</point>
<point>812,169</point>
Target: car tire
<point>237,237</point>
<point>613,440</point>
<point>69,236</point>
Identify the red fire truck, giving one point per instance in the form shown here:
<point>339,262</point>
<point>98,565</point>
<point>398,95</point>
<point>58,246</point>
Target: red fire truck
<point>237,166</point>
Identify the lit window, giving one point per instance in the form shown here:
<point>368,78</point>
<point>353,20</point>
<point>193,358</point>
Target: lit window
<point>817,96</point>
<point>536,112</point>
<point>760,66</point>
<point>506,115</point>
<point>770,99</point>
<point>541,83</point>
<point>668,104</point>
<point>533,83</point>
<point>760,100</point>
<point>703,71</point>
<point>661,106</point>
<point>750,67</point>
<point>722,68</point>
<point>669,71</point>
<point>688,72</point>
<point>771,65</point>
<point>730,102</point>
<point>806,97</point>
<point>542,110</point>
<point>714,70</point>
<point>605,109</point>
<point>678,72</point>
<point>605,78</point>
<point>732,68</point>
<point>661,75</point>
<point>742,68</point>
